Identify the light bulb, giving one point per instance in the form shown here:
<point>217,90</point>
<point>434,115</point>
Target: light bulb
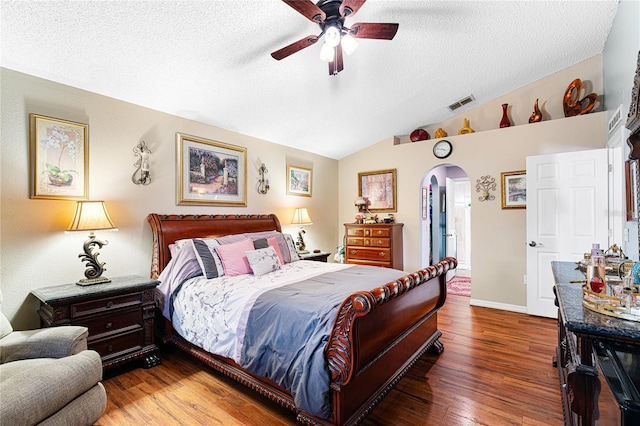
<point>327,52</point>
<point>349,44</point>
<point>332,36</point>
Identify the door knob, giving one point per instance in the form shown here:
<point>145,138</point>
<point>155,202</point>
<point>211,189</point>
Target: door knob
<point>534,244</point>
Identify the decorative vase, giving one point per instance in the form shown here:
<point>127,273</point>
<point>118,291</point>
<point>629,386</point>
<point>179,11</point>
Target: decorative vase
<point>536,115</point>
<point>505,118</point>
<point>419,135</point>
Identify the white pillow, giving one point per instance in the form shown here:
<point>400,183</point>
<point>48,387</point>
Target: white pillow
<point>5,325</point>
<point>263,261</point>
<point>292,247</point>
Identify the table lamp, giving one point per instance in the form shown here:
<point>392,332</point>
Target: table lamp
<point>301,217</point>
<point>92,216</point>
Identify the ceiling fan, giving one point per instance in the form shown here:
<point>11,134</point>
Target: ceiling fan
<point>330,16</point>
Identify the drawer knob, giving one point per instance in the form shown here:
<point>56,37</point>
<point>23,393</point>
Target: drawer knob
<point>380,242</point>
<point>379,232</point>
<point>110,348</point>
<point>353,252</point>
<point>110,304</point>
<point>109,326</point>
<point>382,254</point>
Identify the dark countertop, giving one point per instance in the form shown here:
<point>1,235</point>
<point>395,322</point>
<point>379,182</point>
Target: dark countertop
<point>581,320</point>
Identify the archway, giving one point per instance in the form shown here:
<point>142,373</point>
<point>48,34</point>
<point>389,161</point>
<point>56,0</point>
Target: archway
<point>446,217</point>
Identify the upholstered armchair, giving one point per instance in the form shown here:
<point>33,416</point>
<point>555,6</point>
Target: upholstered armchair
<point>48,377</point>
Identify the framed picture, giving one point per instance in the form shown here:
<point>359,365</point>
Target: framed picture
<point>631,181</point>
<point>59,155</point>
<point>299,181</point>
<point>210,172</point>
<point>514,189</point>
<point>379,188</point>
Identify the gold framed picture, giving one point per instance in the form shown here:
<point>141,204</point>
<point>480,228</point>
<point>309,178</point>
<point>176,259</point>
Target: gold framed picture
<point>210,172</point>
<point>299,181</point>
<point>379,189</point>
<point>59,154</point>
<point>514,189</point>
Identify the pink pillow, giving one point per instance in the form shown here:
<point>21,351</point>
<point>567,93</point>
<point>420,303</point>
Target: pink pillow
<point>273,242</point>
<point>234,258</point>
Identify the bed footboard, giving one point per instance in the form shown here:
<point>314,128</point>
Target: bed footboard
<point>364,362</point>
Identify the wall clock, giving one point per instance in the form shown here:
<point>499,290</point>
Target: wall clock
<point>442,149</point>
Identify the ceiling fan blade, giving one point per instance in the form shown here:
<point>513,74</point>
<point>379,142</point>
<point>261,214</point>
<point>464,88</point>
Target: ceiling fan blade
<point>294,47</point>
<point>336,65</point>
<point>374,30</point>
<point>307,9</point>
<point>350,7</point>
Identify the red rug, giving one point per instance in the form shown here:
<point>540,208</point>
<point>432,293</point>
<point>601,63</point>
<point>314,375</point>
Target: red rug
<point>460,286</point>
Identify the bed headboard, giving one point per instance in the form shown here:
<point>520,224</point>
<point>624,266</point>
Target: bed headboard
<point>168,228</point>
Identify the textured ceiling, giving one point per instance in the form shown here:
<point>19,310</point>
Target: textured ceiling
<point>210,60</point>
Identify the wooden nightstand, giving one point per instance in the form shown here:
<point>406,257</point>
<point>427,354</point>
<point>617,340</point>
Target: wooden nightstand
<point>318,257</point>
<point>118,314</point>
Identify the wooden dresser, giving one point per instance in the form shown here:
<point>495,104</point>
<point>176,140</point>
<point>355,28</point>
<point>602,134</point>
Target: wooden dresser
<point>376,244</point>
<point>118,314</point>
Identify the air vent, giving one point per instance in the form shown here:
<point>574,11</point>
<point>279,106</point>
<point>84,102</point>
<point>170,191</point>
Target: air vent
<point>615,119</point>
<point>454,106</point>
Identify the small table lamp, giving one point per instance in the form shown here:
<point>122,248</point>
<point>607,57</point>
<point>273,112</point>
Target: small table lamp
<point>301,217</point>
<point>92,216</point>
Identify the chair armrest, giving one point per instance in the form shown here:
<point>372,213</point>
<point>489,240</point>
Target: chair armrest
<point>52,342</point>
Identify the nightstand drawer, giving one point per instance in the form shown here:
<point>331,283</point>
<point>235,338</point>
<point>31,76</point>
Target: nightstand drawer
<point>119,345</point>
<point>377,242</point>
<point>375,232</point>
<point>105,304</point>
<point>380,255</point>
<point>113,323</point>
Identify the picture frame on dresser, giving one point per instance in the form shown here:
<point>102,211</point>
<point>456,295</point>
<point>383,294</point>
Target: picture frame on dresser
<point>209,172</point>
<point>379,187</point>
<point>631,186</point>
<point>59,152</point>
<point>299,181</point>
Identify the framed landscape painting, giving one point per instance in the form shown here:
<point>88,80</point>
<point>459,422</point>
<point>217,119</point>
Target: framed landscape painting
<point>210,172</point>
<point>379,188</point>
<point>514,189</point>
<point>299,181</point>
<point>59,155</point>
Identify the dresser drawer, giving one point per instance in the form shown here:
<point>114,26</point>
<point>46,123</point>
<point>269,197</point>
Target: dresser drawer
<point>377,232</point>
<point>380,255</point>
<point>377,242</point>
<point>355,241</point>
<point>105,304</point>
<point>109,323</point>
<point>355,232</point>
<point>119,344</point>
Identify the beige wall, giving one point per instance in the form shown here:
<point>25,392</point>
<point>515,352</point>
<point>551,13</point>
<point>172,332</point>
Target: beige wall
<point>34,249</point>
<point>498,249</point>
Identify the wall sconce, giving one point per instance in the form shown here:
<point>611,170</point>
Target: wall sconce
<point>92,216</point>
<point>483,186</point>
<point>263,183</point>
<point>141,176</point>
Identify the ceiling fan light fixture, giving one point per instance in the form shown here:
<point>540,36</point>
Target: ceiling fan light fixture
<point>327,52</point>
<point>332,36</point>
<point>349,44</point>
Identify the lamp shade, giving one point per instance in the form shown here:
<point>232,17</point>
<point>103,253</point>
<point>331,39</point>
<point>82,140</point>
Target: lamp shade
<point>91,216</point>
<point>301,217</point>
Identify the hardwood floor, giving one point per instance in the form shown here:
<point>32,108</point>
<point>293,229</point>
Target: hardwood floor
<point>495,370</point>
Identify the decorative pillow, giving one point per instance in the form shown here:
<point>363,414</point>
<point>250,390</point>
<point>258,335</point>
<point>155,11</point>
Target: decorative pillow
<point>292,247</point>
<point>282,244</point>
<point>234,258</point>
<point>5,325</point>
<point>207,256</point>
<point>263,261</point>
<point>181,243</point>
<point>273,242</point>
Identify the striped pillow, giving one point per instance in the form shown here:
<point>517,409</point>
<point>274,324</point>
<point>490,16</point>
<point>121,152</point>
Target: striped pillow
<point>207,256</point>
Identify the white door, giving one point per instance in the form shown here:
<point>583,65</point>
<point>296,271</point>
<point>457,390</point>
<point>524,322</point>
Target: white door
<point>567,211</point>
<point>459,222</point>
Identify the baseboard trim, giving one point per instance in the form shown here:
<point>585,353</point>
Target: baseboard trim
<point>497,305</point>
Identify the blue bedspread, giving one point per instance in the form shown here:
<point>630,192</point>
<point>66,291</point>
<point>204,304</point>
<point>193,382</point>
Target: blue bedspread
<point>288,328</point>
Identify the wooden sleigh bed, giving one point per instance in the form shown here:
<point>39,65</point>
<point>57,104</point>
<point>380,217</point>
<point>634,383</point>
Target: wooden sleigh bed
<point>377,336</point>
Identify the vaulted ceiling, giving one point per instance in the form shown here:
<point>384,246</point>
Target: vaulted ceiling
<point>210,60</point>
